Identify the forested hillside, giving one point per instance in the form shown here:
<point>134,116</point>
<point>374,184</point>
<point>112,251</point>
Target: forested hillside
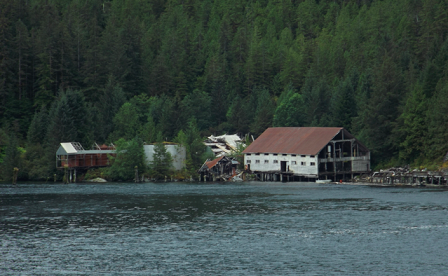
<point>85,71</point>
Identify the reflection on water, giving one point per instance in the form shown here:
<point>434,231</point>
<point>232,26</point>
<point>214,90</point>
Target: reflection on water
<point>236,229</point>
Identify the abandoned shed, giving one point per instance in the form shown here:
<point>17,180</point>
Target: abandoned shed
<point>300,153</point>
<point>221,168</point>
<point>72,156</point>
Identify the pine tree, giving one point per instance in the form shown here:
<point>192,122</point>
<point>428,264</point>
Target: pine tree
<point>291,111</point>
<point>130,155</point>
<point>161,166</point>
<point>126,123</point>
<point>435,141</point>
<point>414,125</point>
<point>343,105</point>
<point>11,160</point>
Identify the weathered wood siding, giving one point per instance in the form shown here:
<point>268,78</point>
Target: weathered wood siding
<point>298,164</point>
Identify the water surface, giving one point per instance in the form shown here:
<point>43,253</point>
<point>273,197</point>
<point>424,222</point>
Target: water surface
<point>222,229</point>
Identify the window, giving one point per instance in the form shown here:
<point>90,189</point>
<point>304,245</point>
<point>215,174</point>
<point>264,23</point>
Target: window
<point>312,164</point>
<point>275,161</point>
<point>275,154</point>
<point>284,154</point>
<point>266,154</point>
<point>266,161</point>
<point>257,154</point>
<point>257,161</point>
<point>293,162</point>
<point>293,155</point>
<point>311,156</point>
<point>302,155</point>
<point>248,161</point>
<point>303,163</point>
<point>248,154</point>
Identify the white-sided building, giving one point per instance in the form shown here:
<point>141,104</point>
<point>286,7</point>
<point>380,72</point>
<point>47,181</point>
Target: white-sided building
<point>306,152</point>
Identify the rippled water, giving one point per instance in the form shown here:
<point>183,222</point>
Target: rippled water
<point>222,229</point>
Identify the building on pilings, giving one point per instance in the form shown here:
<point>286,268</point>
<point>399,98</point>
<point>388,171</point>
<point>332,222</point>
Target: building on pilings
<point>72,157</point>
<point>306,154</point>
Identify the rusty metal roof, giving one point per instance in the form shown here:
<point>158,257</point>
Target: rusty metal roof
<point>211,164</point>
<point>293,140</point>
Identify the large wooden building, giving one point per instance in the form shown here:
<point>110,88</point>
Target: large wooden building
<point>305,153</point>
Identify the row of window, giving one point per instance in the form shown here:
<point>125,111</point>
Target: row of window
<point>276,161</point>
<point>275,154</point>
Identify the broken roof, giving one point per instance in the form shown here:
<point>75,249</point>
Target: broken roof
<point>211,164</point>
<point>74,148</point>
<point>293,140</point>
<point>230,140</point>
<point>70,148</point>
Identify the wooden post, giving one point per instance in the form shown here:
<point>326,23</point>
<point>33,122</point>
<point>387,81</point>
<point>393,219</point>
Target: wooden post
<point>351,155</point>
<point>15,174</point>
<point>334,160</point>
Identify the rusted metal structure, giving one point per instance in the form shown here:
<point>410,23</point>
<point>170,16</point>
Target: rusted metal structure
<point>221,168</point>
<point>71,156</point>
<point>305,153</point>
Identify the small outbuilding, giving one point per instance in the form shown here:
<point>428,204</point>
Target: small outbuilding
<point>73,157</point>
<point>306,153</point>
<point>221,168</point>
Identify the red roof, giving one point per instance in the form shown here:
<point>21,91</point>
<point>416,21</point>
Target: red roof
<point>211,164</point>
<point>293,140</point>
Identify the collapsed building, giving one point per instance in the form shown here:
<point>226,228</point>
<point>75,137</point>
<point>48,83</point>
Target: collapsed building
<point>224,144</point>
<point>220,169</point>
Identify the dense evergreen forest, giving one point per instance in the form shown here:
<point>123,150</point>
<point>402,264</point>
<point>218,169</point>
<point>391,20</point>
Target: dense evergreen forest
<point>99,71</point>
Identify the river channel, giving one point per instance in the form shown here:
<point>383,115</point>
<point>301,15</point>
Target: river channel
<point>255,228</point>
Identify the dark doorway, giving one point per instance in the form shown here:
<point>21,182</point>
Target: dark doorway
<point>283,165</point>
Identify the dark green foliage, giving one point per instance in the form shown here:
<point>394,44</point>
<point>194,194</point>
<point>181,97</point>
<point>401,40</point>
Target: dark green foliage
<point>195,149</point>
<point>12,159</point>
<point>149,131</point>
<point>38,127</point>
<point>197,105</point>
<point>69,119</point>
<point>107,107</point>
<point>37,163</point>
<point>126,123</point>
<point>316,97</point>
<point>354,64</point>
<point>382,110</point>
<point>264,112</point>
<point>161,166</point>
<point>343,105</point>
<point>435,143</point>
<point>414,126</point>
<point>290,111</point>
<point>129,155</point>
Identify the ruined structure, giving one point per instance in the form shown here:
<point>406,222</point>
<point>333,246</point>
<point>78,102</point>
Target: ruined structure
<point>306,153</point>
<point>220,169</point>
<point>224,144</point>
<point>72,157</point>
